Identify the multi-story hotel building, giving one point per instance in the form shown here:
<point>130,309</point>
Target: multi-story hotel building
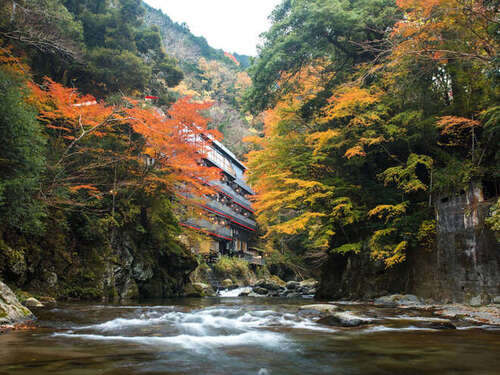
<point>229,218</point>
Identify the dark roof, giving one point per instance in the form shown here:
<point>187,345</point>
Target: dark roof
<point>228,152</point>
<point>234,159</point>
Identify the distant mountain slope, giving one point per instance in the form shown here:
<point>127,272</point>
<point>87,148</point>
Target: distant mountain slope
<point>181,43</point>
<point>210,74</point>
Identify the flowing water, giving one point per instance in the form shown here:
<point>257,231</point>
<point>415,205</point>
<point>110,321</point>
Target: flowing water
<point>232,335</point>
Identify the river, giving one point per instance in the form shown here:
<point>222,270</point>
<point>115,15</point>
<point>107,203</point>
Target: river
<point>257,336</point>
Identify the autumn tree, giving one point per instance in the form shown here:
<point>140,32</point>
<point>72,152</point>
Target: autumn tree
<point>361,136</point>
<point>176,144</point>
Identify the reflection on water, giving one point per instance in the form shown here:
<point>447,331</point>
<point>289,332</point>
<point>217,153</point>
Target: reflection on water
<point>242,336</point>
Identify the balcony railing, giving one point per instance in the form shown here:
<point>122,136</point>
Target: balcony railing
<point>216,229</point>
<point>234,195</point>
<point>231,213</point>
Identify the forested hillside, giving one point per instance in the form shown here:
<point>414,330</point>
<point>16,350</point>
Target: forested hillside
<point>374,112</point>
<point>374,142</point>
<point>210,74</point>
<point>90,171</point>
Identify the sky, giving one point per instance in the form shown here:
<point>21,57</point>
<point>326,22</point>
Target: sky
<point>231,25</point>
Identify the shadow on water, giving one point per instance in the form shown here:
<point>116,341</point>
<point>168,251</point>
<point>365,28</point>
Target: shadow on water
<point>241,336</point>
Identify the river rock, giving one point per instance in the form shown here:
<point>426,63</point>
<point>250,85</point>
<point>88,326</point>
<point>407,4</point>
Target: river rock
<point>441,325</point>
<point>398,299</point>
<point>11,310</point>
<point>312,284</point>
<point>227,283</point>
<point>130,290</point>
<point>260,290</point>
<point>344,319</point>
<point>496,300</point>
<point>48,301</point>
<point>322,307</point>
<point>32,302</point>
<point>199,290</point>
<point>267,284</point>
<point>291,285</point>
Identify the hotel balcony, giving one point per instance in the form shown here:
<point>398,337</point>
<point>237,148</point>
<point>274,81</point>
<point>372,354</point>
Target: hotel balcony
<point>219,231</point>
<point>227,211</point>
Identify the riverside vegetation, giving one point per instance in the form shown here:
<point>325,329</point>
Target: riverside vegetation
<point>371,132</point>
<point>82,213</point>
<point>360,117</point>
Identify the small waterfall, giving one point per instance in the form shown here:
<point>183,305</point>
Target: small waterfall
<point>234,292</point>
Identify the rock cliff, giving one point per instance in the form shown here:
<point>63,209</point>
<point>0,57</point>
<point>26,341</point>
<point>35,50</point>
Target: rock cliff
<point>11,310</point>
<point>463,266</point>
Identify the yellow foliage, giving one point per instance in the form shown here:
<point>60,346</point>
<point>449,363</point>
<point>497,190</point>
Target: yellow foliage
<point>320,139</point>
<point>388,211</point>
<point>349,101</point>
<point>452,124</point>
<point>298,224</point>
<point>382,247</point>
<point>355,151</point>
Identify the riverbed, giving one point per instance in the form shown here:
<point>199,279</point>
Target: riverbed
<point>242,335</point>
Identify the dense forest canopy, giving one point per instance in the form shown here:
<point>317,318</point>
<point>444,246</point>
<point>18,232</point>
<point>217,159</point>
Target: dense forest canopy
<point>86,157</point>
<point>358,114</point>
<point>373,109</point>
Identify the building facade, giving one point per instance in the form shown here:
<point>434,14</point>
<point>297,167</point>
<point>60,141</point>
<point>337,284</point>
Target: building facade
<point>229,220</point>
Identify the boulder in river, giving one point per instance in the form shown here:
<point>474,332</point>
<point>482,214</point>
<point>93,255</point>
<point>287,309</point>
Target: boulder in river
<point>398,299</point>
<point>476,301</point>
<point>48,301</point>
<point>260,290</point>
<point>227,283</point>
<point>321,307</point>
<point>310,283</point>
<point>11,310</point>
<point>199,290</point>
<point>291,285</point>
<point>344,319</point>
<point>267,284</point>
<point>32,302</point>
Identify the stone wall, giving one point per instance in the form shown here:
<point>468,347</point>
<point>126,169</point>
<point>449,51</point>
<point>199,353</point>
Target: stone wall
<point>463,267</point>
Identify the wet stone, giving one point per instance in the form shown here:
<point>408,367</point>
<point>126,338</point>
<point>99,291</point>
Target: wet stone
<point>442,325</point>
<point>320,307</point>
<point>344,319</point>
<point>32,302</point>
<point>259,290</point>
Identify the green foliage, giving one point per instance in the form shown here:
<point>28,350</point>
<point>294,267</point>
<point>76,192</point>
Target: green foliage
<point>304,31</point>
<point>44,26</point>
<point>349,247</point>
<point>405,176</point>
<point>21,158</point>
<point>493,220</point>
<point>118,69</point>
<point>109,46</point>
<point>361,130</point>
<point>231,266</point>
